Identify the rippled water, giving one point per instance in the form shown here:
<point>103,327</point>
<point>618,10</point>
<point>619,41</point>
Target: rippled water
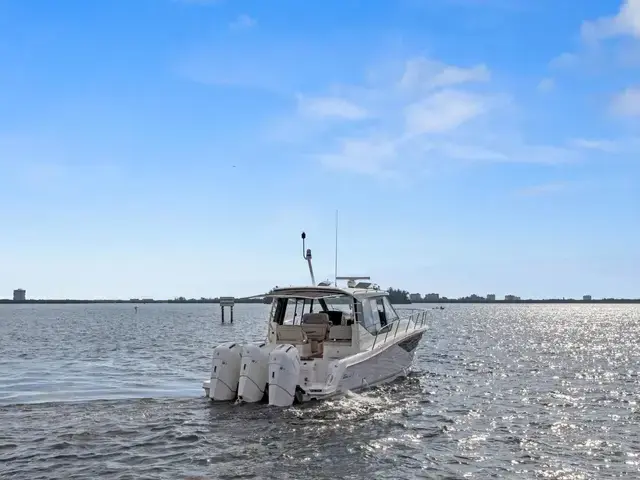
<point>529,391</point>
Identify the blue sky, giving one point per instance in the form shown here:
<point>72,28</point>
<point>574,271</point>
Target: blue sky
<point>179,147</point>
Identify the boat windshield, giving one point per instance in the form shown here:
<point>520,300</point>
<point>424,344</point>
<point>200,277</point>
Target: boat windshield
<point>291,310</point>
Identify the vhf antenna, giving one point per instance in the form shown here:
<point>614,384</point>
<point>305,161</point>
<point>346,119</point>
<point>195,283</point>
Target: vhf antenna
<point>306,254</point>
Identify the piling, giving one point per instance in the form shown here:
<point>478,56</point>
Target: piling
<point>227,302</point>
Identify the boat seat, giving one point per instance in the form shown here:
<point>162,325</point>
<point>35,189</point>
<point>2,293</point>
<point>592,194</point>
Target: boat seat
<point>316,318</point>
<point>340,333</point>
<point>315,331</point>
<point>291,334</point>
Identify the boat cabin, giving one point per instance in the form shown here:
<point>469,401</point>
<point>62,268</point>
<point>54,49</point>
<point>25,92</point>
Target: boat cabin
<point>328,322</point>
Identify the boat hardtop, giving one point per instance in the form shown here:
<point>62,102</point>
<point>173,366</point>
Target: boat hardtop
<point>325,291</point>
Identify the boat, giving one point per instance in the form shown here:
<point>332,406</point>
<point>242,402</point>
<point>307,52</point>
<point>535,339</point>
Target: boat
<point>323,340</point>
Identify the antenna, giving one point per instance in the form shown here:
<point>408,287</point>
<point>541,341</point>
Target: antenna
<point>335,276</point>
<point>306,254</point>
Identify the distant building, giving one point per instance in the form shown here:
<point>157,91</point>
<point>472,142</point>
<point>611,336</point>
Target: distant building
<point>491,297</point>
<point>432,297</point>
<point>586,298</point>
<point>19,295</point>
<point>415,297</point>
<point>511,298</point>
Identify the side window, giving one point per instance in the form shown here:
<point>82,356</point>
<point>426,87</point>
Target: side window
<point>370,316</point>
<point>389,311</point>
<point>381,313</point>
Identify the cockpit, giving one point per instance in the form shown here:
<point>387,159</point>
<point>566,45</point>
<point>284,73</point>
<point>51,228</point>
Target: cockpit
<point>337,310</point>
<point>313,323</point>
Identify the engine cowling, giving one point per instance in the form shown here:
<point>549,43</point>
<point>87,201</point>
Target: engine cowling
<point>284,375</point>
<point>225,371</point>
<point>254,372</point>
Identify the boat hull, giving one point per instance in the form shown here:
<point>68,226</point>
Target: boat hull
<point>355,373</point>
<point>368,369</point>
<point>392,362</point>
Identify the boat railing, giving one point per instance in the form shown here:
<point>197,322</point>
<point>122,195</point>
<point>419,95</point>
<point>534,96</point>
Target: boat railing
<point>417,318</point>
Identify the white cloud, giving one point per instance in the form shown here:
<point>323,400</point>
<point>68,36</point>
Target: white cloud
<point>546,85</point>
<point>418,118</point>
<point>422,73</point>
<point>597,55</point>
<point>243,22</point>
<point>384,157</point>
<point>608,146</point>
<point>564,60</point>
<point>627,103</point>
<point>330,107</point>
<point>625,22</point>
<point>443,111</point>
<point>371,156</point>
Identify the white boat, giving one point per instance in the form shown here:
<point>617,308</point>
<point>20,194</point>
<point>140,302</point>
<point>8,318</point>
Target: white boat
<point>322,341</point>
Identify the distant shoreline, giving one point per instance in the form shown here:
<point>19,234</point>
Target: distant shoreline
<point>254,300</point>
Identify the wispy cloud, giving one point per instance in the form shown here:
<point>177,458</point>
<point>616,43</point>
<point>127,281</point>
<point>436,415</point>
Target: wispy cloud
<point>372,156</point>
<point>426,74</point>
<point>608,146</point>
<point>597,52</point>
<point>443,111</point>
<point>546,85</point>
<point>330,107</point>
<point>625,22</point>
<point>564,60</point>
<point>428,112</point>
<point>243,22</point>
<point>627,103</point>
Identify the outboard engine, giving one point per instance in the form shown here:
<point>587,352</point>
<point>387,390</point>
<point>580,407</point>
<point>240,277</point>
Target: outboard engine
<point>225,371</point>
<point>284,373</point>
<point>254,372</point>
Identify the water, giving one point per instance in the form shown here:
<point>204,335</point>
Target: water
<point>499,391</point>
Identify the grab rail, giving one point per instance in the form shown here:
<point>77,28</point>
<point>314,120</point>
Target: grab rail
<point>418,320</point>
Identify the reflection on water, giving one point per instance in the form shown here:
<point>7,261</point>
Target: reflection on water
<point>544,391</point>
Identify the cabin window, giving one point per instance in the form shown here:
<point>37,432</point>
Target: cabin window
<point>289,311</point>
<point>343,304</point>
<point>340,309</point>
<point>389,311</point>
<point>296,308</point>
<point>370,315</point>
<point>381,313</point>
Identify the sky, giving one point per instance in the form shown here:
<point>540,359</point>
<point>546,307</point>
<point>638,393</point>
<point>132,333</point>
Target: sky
<point>165,148</point>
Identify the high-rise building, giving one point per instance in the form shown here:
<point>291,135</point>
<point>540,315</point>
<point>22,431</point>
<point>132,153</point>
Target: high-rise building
<point>19,295</point>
